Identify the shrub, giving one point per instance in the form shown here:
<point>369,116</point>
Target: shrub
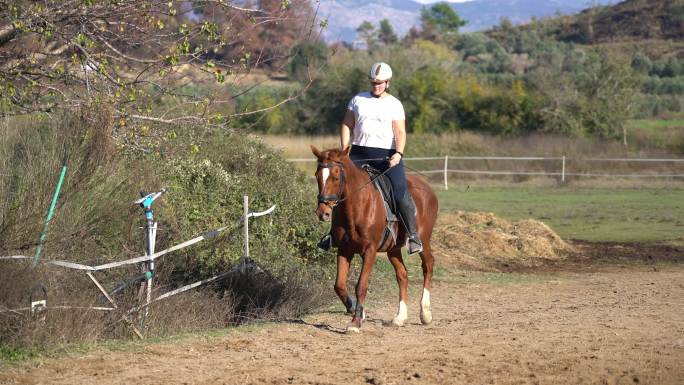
<point>95,223</point>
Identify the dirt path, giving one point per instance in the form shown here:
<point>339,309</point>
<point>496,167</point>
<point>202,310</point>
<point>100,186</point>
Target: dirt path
<point>614,326</point>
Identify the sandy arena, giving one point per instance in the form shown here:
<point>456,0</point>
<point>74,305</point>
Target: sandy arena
<point>608,314</point>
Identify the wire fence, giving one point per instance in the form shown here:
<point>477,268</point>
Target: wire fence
<point>440,169</point>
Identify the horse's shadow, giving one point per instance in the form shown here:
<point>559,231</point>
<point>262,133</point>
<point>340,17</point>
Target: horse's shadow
<point>337,330</point>
<point>319,326</point>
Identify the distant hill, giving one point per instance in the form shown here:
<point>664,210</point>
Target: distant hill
<point>344,16</point>
<point>655,27</point>
<point>629,20</point>
<point>484,14</point>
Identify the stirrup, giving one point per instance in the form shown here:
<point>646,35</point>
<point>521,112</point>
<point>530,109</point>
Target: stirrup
<point>414,246</point>
<point>325,243</point>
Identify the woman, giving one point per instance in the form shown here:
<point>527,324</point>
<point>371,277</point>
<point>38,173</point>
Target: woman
<point>374,125</point>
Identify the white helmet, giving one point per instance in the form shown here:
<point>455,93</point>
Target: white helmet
<point>379,72</point>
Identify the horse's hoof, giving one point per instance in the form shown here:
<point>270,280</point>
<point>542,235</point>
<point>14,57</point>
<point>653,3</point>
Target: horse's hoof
<point>398,322</point>
<point>426,318</point>
<point>353,329</point>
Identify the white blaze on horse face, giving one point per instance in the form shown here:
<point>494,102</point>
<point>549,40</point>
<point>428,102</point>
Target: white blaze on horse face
<point>325,173</point>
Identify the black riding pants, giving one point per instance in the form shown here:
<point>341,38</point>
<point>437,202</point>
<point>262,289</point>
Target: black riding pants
<point>378,158</point>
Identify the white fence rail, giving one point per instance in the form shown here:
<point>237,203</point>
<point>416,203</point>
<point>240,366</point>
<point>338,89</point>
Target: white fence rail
<point>562,165</point>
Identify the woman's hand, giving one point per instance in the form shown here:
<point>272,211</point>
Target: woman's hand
<point>394,159</point>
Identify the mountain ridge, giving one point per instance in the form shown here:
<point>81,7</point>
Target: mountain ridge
<point>344,16</point>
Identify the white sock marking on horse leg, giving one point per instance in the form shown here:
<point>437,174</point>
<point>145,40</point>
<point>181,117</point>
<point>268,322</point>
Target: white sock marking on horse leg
<point>402,315</point>
<point>425,308</point>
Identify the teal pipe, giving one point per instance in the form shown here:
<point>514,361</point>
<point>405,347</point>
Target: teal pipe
<point>36,257</point>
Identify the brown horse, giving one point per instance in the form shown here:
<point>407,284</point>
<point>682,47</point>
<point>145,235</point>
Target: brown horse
<point>348,199</point>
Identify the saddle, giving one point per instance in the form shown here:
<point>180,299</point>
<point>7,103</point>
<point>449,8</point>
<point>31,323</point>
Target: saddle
<point>384,186</point>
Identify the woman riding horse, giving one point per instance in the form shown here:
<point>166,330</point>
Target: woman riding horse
<point>375,126</point>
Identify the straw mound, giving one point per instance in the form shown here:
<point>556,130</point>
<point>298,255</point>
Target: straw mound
<point>484,242</point>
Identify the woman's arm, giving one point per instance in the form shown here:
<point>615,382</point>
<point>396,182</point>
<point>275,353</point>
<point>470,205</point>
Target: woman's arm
<point>399,129</point>
<point>347,126</point>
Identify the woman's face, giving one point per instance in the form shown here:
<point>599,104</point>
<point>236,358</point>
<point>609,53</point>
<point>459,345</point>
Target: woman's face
<point>377,88</point>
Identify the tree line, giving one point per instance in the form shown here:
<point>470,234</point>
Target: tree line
<point>509,80</point>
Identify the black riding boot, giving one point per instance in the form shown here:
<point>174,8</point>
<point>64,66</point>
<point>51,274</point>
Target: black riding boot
<point>326,243</point>
<point>407,211</point>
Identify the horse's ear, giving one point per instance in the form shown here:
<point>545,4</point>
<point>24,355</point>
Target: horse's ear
<point>315,151</point>
<point>346,151</point>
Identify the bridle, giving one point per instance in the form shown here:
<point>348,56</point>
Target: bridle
<point>335,198</point>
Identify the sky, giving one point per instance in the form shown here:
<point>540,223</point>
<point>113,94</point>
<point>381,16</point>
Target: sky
<point>435,1</point>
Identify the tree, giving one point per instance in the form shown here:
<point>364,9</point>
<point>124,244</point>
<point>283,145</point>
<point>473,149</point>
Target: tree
<point>386,33</point>
<point>136,56</point>
<point>367,33</point>
<point>307,55</point>
<point>440,21</point>
<point>594,96</point>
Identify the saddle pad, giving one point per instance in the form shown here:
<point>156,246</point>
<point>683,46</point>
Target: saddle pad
<point>384,187</point>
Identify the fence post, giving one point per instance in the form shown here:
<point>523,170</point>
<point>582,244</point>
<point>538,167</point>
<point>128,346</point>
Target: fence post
<point>51,212</point>
<point>246,202</point>
<point>563,171</point>
<point>446,162</point>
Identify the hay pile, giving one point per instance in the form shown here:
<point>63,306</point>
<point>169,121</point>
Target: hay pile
<point>484,242</point>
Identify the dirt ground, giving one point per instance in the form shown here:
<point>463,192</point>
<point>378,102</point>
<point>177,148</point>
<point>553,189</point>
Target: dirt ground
<point>612,314</point>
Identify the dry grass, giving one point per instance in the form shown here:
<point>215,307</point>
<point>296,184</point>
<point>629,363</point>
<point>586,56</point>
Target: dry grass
<point>299,146</point>
<point>238,299</point>
<point>470,143</point>
<point>465,143</point>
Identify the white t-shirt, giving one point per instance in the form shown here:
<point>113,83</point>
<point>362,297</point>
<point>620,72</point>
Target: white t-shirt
<point>373,120</point>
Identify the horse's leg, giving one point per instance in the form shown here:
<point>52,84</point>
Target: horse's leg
<point>343,262</point>
<point>427,264</point>
<point>368,256</point>
<point>402,279</point>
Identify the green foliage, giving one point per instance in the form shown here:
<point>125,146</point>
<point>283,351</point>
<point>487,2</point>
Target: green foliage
<point>442,18</point>
<point>667,68</point>
<point>386,33</point>
<point>426,97</point>
<point>322,108</point>
<point>648,105</point>
<point>96,193</point>
<point>17,354</point>
<point>271,120</point>
<point>668,85</point>
<point>366,31</point>
<point>589,94</point>
<point>641,63</point>
<point>207,190</point>
<point>307,57</point>
<point>95,222</point>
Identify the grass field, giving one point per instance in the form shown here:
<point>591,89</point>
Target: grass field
<point>592,214</point>
<point>655,123</point>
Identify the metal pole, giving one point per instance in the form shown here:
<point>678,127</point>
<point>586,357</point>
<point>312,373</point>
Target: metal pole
<point>152,236</point>
<point>563,171</point>
<point>246,202</point>
<point>446,162</point>
<point>51,212</point>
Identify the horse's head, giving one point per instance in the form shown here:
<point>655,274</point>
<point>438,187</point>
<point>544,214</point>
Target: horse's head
<point>331,177</point>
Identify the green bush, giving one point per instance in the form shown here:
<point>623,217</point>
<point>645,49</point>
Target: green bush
<point>207,190</point>
<point>96,222</point>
